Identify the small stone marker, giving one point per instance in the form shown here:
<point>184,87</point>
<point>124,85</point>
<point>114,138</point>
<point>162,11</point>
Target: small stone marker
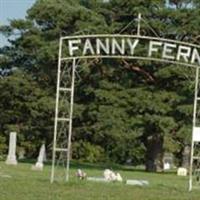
<point>182,171</point>
<point>4,175</point>
<point>137,182</point>
<point>11,158</point>
<point>39,164</point>
<point>21,154</point>
<point>97,179</point>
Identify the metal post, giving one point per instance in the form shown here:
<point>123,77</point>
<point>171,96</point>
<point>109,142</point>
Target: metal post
<point>56,112</point>
<point>194,124</point>
<point>70,117</point>
<point>139,25</point>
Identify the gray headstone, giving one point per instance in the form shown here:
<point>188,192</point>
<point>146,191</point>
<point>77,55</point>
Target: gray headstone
<point>21,154</point>
<point>186,157</point>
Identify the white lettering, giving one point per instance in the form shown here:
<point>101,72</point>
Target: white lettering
<point>195,56</point>
<point>88,47</point>
<point>183,52</point>
<point>73,48</point>
<point>132,45</point>
<point>116,45</point>
<point>100,45</point>
<point>168,49</point>
<point>152,48</point>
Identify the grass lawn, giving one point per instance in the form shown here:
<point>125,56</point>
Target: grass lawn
<point>25,184</point>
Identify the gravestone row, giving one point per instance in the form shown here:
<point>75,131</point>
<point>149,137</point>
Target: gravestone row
<point>12,160</point>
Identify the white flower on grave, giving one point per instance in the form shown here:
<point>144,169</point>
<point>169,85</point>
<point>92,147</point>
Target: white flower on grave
<point>107,174</point>
<point>118,177</point>
<point>81,174</point>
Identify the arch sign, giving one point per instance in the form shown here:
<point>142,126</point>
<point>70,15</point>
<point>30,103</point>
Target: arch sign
<point>73,48</point>
<point>131,47</point>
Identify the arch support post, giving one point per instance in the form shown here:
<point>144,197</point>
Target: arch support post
<point>195,131</point>
<point>61,152</point>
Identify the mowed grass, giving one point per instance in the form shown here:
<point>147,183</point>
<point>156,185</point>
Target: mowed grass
<point>25,184</point>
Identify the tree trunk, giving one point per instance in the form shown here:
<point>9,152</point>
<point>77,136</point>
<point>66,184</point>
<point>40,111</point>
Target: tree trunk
<point>154,153</point>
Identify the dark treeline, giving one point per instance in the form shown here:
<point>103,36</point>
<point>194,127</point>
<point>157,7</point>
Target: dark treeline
<point>124,109</point>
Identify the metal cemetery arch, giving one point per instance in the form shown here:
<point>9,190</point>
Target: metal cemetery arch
<point>73,48</point>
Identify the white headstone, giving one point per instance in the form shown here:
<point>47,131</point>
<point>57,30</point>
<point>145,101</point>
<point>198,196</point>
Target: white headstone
<point>11,158</point>
<point>167,161</point>
<point>39,164</point>
<point>166,166</point>
<point>182,171</point>
<point>196,134</point>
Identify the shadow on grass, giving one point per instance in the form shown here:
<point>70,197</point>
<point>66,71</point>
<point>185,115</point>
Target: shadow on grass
<point>103,166</point>
<point>100,166</point>
<point>116,167</point>
<point>27,161</point>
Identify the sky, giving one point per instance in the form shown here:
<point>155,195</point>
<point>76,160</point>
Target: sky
<point>12,9</point>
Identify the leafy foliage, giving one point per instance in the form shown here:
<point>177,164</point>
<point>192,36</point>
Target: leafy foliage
<point>25,109</point>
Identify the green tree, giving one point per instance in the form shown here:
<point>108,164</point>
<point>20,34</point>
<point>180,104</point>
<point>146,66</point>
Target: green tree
<point>119,104</point>
<point>26,109</point>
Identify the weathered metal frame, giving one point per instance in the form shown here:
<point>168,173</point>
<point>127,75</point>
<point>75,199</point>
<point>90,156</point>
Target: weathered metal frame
<point>196,99</point>
<point>71,90</point>
<point>75,58</point>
